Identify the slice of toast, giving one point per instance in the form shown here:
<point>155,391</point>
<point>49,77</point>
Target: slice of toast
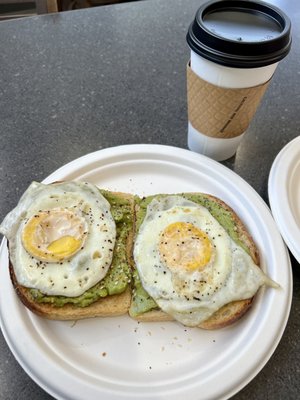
<point>231,312</point>
<point>110,304</point>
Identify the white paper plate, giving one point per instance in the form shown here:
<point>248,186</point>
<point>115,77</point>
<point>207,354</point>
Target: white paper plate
<point>284,194</point>
<point>117,358</point>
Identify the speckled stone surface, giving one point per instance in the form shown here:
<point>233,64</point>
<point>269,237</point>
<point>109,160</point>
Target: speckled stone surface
<point>80,81</point>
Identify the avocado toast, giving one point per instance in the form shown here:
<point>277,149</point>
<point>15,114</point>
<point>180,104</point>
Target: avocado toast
<point>108,297</point>
<point>145,308</point>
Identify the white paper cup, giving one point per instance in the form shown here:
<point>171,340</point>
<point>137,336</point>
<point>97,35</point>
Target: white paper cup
<point>234,45</point>
<point>226,77</point>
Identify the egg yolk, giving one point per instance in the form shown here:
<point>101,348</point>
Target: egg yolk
<point>183,246</point>
<point>54,235</point>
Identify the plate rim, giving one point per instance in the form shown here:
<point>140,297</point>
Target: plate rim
<point>278,183</point>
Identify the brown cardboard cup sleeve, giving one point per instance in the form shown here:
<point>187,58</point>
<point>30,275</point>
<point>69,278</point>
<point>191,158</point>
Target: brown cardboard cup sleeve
<point>219,112</point>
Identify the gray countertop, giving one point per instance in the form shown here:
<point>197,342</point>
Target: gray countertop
<point>79,81</point>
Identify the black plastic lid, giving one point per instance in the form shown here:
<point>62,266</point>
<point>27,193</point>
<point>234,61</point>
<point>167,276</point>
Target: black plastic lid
<point>240,33</point>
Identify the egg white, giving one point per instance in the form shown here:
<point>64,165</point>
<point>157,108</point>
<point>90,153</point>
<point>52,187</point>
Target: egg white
<point>232,275</point>
<point>73,276</point>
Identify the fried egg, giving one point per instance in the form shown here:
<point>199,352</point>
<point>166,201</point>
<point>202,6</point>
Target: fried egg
<point>61,237</point>
<point>188,263</point>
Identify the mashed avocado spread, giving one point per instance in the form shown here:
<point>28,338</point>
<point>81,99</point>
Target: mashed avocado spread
<point>119,275</point>
<point>141,301</point>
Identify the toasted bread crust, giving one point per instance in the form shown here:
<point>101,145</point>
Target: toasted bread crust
<point>233,311</point>
<point>226,316</point>
<point>105,307</point>
<point>112,305</point>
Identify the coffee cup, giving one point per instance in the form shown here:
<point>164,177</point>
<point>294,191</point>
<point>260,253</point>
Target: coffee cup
<point>235,46</point>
